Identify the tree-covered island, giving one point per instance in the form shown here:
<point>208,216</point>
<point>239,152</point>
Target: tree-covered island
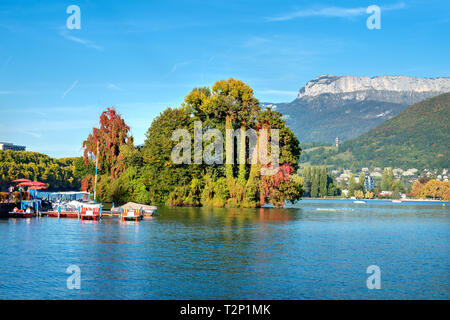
<point>148,174</point>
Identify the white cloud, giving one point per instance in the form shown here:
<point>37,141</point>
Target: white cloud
<point>70,89</point>
<point>15,92</point>
<point>112,86</point>
<point>87,43</point>
<point>332,12</point>
<point>177,65</point>
<point>33,134</point>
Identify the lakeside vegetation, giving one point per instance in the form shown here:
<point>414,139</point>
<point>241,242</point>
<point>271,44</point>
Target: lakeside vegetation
<point>317,183</point>
<point>60,174</point>
<point>148,174</point>
<point>431,189</point>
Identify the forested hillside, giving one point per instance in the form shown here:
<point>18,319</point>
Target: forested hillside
<point>417,137</point>
<point>60,174</point>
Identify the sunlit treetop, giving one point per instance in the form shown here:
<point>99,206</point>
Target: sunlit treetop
<point>110,136</point>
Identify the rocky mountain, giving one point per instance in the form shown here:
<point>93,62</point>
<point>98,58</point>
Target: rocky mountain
<point>347,106</point>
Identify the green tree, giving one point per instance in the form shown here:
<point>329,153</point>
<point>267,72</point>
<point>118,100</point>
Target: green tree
<point>352,185</point>
<point>387,179</point>
<point>361,182</point>
<point>315,182</point>
<point>306,174</point>
<point>323,182</point>
<point>160,175</point>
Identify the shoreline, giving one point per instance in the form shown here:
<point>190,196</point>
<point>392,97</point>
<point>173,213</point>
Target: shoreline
<point>402,200</point>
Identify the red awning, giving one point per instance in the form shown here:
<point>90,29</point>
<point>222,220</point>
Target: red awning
<point>32,184</point>
<point>37,184</point>
<point>37,188</point>
<point>21,180</point>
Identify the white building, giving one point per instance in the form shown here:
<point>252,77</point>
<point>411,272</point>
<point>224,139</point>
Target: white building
<point>9,146</point>
<point>376,174</point>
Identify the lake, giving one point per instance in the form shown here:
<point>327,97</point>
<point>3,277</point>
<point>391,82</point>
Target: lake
<point>298,252</point>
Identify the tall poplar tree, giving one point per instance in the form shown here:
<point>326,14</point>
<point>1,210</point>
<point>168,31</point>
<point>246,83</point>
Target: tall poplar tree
<point>351,185</point>
<point>307,180</point>
<point>315,182</point>
<point>323,182</point>
<point>362,182</point>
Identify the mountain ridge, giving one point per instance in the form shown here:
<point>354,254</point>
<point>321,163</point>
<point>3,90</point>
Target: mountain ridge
<point>327,108</point>
<point>353,84</point>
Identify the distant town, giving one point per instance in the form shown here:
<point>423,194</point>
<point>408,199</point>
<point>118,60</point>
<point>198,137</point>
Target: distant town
<point>374,177</point>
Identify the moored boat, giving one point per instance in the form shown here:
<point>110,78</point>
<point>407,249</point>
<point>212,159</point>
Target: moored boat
<point>90,213</point>
<point>147,211</point>
<point>20,213</point>
<point>133,215</point>
<point>28,209</point>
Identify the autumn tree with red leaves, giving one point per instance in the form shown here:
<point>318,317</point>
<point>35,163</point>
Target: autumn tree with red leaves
<point>109,137</point>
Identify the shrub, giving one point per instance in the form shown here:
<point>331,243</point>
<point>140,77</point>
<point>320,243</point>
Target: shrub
<point>4,196</point>
<point>369,195</point>
<point>359,194</point>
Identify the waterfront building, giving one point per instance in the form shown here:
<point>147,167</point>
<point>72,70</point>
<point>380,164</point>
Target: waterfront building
<point>9,146</point>
<point>369,183</point>
<point>376,174</point>
<point>335,172</point>
<point>410,172</point>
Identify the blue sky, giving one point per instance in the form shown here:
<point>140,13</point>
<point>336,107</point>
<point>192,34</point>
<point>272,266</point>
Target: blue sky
<point>143,56</point>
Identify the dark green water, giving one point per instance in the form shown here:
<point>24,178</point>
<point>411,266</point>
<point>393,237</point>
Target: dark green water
<point>195,253</point>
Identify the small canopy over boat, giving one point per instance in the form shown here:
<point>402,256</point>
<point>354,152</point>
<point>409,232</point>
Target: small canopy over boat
<point>38,188</point>
<point>32,184</point>
<point>136,206</point>
<point>65,195</point>
<point>21,180</point>
<point>72,206</point>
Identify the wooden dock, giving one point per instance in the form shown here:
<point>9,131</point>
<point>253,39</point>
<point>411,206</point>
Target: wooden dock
<point>5,209</point>
<point>63,214</point>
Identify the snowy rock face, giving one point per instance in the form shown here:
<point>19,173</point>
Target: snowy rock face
<point>384,88</point>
